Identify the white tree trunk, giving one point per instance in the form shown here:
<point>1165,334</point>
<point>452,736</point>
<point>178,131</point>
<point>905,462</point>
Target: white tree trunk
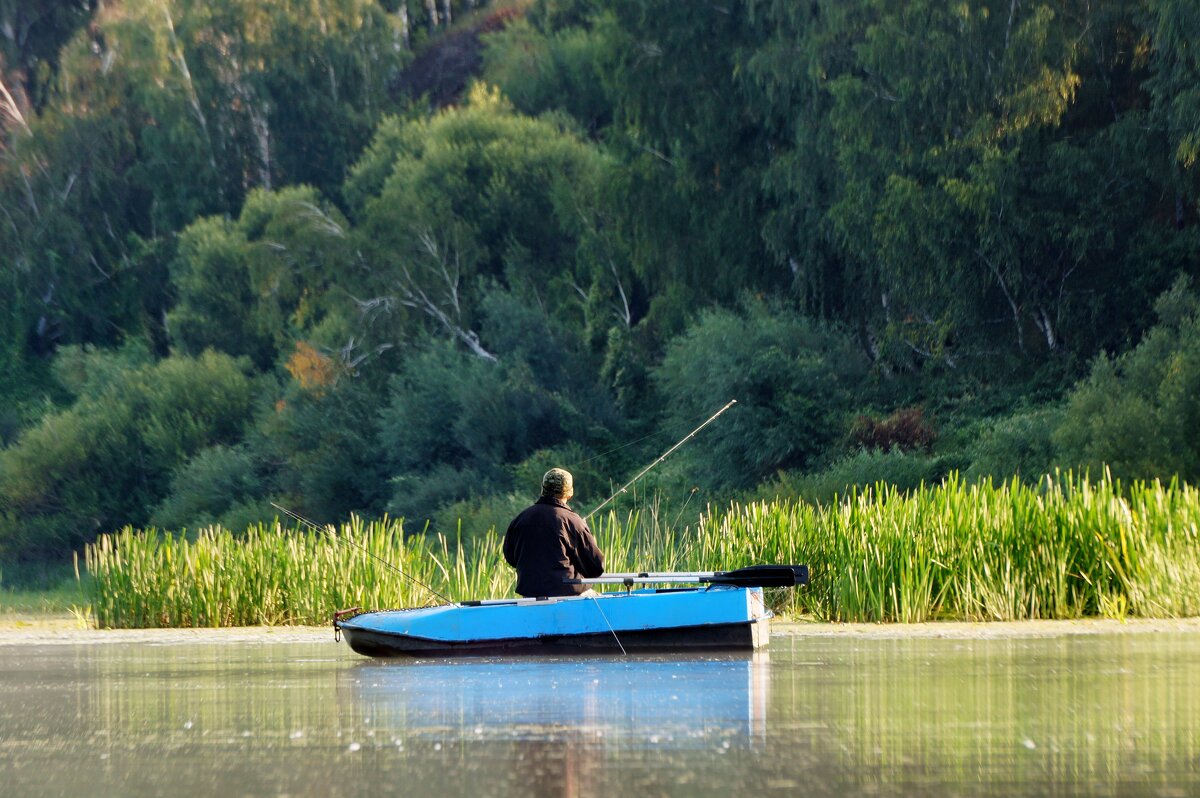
<point>1044,323</point>
<point>405,32</point>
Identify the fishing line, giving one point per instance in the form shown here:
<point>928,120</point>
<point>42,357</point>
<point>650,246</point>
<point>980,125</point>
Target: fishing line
<point>684,507</point>
<point>329,531</point>
<point>610,626</point>
<point>661,457</point>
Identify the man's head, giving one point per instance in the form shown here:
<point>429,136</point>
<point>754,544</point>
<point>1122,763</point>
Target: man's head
<point>558,484</point>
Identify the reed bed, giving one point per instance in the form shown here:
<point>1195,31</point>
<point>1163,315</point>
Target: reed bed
<point>1065,548</point>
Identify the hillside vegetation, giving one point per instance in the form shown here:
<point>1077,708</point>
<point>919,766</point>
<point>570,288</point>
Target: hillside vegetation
<point>388,256</point>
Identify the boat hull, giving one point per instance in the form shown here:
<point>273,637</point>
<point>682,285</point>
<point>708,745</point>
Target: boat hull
<point>642,621</point>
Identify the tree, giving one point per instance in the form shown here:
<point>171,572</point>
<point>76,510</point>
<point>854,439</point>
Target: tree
<point>1174,28</point>
<point>107,459</point>
<point>452,421</point>
<point>233,94</point>
<point>546,70</point>
<point>795,381</point>
<point>1139,414</point>
<point>950,165</point>
<point>31,35</point>
<point>473,197</point>
<point>255,286</point>
<point>693,149</point>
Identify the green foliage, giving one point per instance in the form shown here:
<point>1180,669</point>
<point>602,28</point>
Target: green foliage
<point>325,459</point>
<point>253,286</point>
<point>452,419</point>
<point>232,94</point>
<point>546,71</point>
<point>1139,414</point>
<point>691,192</point>
<point>87,371</point>
<point>29,50</point>
<point>1174,27</point>
<point>964,202</point>
<point>857,473</point>
<point>474,197</point>
<point>207,487</point>
<point>960,164</point>
<point>794,380</point>
<point>108,457</point>
<point>1021,445</point>
<point>469,520</point>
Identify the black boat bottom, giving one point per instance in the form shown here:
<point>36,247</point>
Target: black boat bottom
<point>743,635</point>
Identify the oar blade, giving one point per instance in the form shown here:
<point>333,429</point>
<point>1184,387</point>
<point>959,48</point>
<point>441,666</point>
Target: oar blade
<point>762,576</point>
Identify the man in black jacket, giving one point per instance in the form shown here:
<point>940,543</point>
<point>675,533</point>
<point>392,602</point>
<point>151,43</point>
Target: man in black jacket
<point>548,542</point>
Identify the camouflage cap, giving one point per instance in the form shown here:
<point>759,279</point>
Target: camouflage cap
<point>557,483</point>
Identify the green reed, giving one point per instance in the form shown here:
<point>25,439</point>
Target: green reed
<point>1065,548</point>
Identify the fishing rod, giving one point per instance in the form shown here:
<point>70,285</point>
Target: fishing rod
<point>750,576</point>
<point>329,531</point>
<point>662,457</point>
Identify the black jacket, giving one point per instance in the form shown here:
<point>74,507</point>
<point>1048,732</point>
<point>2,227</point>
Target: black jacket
<point>547,543</point>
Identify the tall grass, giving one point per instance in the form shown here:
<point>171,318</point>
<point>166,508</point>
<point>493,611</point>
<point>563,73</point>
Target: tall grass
<point>1065,548</point>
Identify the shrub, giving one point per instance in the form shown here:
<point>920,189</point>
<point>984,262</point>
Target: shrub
<point>1139,413</point>
<point>905,429</point>
<point>1021,444</point>
<point>794,380</point>
<point>898,469</point>
<point>208,486</point>
<point>108,459</point>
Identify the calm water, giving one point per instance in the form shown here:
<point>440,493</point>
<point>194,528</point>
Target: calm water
<point>1079,715</point>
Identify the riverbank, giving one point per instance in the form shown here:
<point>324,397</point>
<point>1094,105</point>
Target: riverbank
<point>58,629</point>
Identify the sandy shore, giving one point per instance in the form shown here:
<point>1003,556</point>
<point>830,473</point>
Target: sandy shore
<point>42,630</point>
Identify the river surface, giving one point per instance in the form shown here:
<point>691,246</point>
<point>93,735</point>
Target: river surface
<point>1098,714</point>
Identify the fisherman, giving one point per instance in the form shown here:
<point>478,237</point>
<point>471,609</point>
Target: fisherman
<point>549,543</point>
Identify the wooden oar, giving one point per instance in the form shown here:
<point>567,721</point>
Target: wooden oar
<point>752,576</point>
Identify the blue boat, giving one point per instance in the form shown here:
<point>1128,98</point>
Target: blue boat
<point>728,613</point>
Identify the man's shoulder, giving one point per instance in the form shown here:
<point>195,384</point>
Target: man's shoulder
<point>555,507</point>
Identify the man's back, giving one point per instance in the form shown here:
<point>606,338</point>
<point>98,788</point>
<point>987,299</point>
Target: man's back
<point>548,543</point>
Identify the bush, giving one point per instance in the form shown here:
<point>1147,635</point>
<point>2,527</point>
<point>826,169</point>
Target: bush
<point>324,459</point>
<point>470,519</point>
<point>418,496</point>
<point>1021,444</point>
<point>542,72</point>
<point>208,486</point>
<point>794,380</point>
<point>1139,414</point>
<point>250,286</point>
<point>108,459</point>
<point>901,470</point>
<point>453,420</point>
<point>904,429</point>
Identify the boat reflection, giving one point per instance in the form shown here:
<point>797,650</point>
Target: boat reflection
<point>679,702</point>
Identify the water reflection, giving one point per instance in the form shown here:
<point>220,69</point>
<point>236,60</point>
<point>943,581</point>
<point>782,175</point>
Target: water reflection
<point>555,725</point>
<point>669,702</point>
<point>1083,714</point>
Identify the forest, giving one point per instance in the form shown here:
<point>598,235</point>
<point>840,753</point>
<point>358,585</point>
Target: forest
<point>398,257</point>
